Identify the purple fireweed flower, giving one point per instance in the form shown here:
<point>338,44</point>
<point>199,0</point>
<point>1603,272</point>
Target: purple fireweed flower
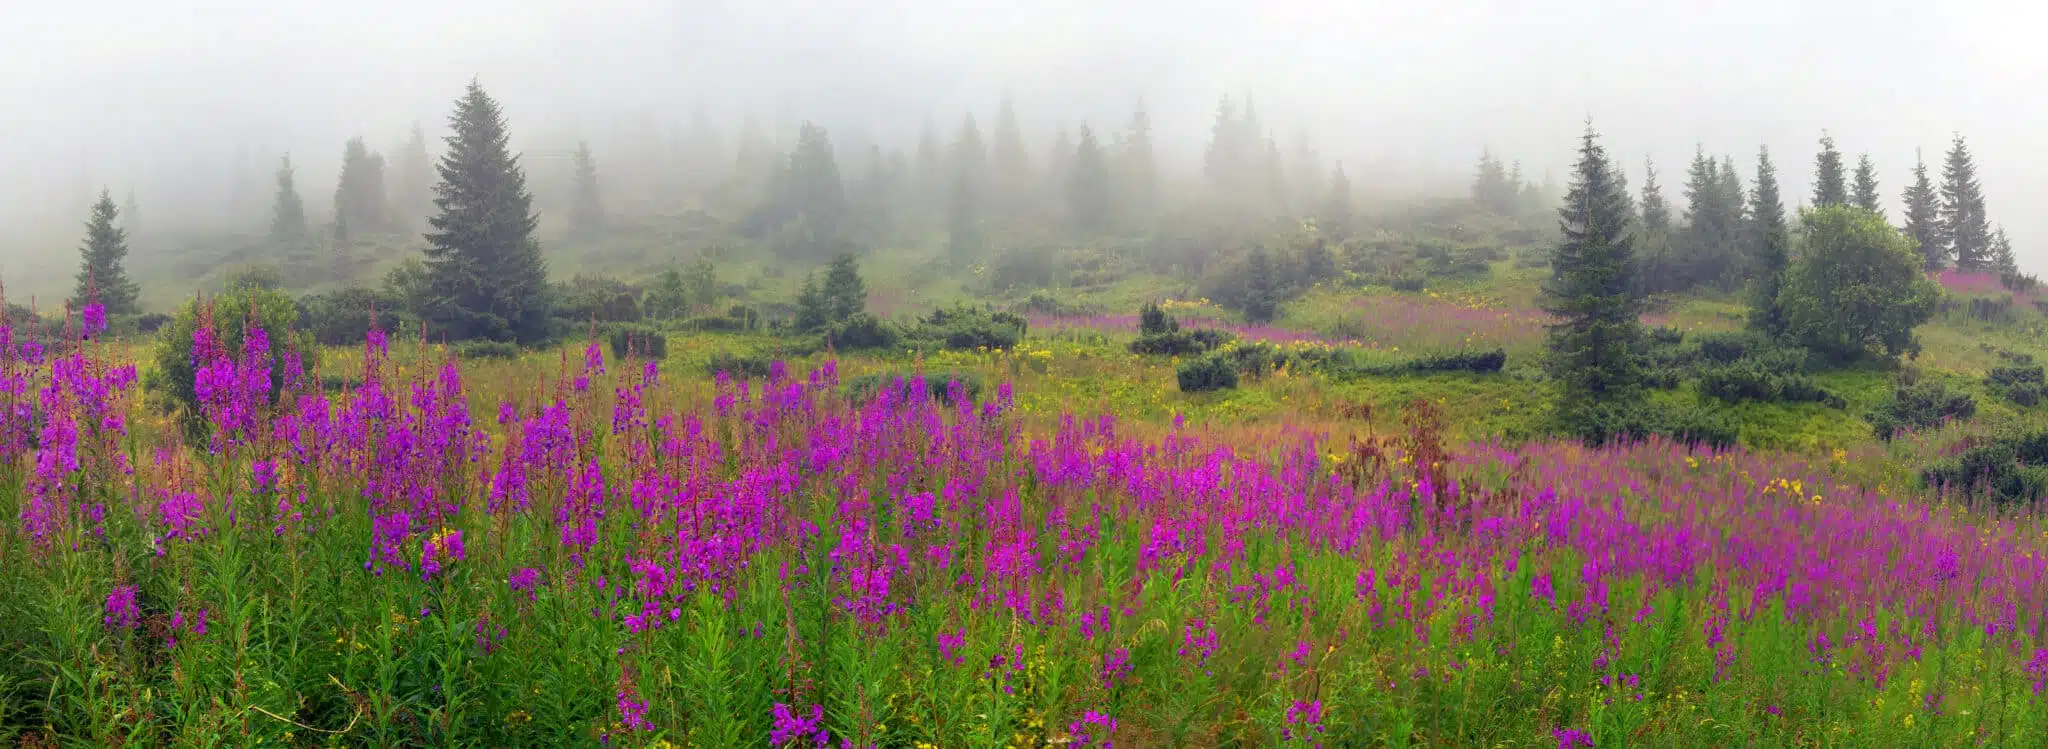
<point>950,645</point>
<point>1305,715</point>
<point>442,548</point>
<point>525,580</point>
<point>1115,668</point>
<point>1571,738</point>
<point>121,609</point>
<point>1093,729</point>
<point>632,709</point>
<point>792,729</point>
<point>95,318</point>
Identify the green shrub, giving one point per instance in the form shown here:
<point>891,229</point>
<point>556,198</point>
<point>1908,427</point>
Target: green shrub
<point>344,317</point>
<point>2007,470</point>
<point>863,331</point>
<point>938,385</point>
<point>1600,423</point>
<point>483,349</point>
<point>151,322</point>
<point>715,324</point>
<point>1180,342</point>
<point>1478,362</point>
<point>1665,335</point>
<point>231,314</point>
<point>742,367</point>
<point>1758,380</point>
<point>1918,403</point>
<point>642,341</point>
<point>965,328</point>
<point>1727,347</point>
<point>1201,374</point>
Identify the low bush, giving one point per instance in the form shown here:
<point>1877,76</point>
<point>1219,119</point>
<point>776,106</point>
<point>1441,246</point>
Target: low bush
<point>1758,380</point>
<point>938,385</point>
<point>863,331</point>
<point>1205,373</point>
<point>965,328</point>
<point>482,349</point>
<point>1180,342</point>
<point>2023,384</point>
<point>735,365</point>
<point>1918,403</point>
<point>1478,362</point>
<point>2010,469</point>
<point>643,341</point>
<point>1601,423</point>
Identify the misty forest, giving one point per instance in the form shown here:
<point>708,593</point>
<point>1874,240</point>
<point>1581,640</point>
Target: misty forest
<point>990,378</point>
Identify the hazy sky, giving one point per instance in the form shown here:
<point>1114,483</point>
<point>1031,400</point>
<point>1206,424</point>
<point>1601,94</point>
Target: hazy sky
<point>142,94</point>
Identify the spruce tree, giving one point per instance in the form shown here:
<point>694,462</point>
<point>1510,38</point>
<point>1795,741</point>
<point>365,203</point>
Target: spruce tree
<point>1262,288</point>
<point>1334,219</point>
<point>1923,218</point>
<point>1491,189</point>
<point>102,262</point>
<point>2002,259</point>
<point>700,284</point>
<point>1771,248</point>
<point>413,201</point>
<point>818,196</point>
<point>1059,164</point>
<point>1656,210</point>
<point>1963,224</point>
<point>844,292</point>
<point>1710,249</point>
<point>1305,174</point>
<point>483,263</point>
<point>812,310</point>
<point>1829,185</point>
<point>1088,189</point>
<point>1653,243</point>
<point>1009,164</point>
<point>1137,171</point>
<point>1864,193</point>
<point>586,214</point>
<point>963,208</point>
<point>287,211</point>
<point>131,215</point>
<point>1277,201</point>
<point>359,200</point>
<point>1593,344</point>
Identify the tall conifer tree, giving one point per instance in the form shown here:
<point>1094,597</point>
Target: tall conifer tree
<point>1771,247</point>
<point>1963,222</point>
<point>1137,170</point>
<point>102,262</point>
<point>1829,184</point>
<point>287,211</point>
<point>586,213</point>
<point>1593,344</point>
<point>483,264</point>
<point>1088,188</point>
<point>1334,218</point>
<point>1009,163</point>
<point>1923,217</point>
<point>1864,194</point>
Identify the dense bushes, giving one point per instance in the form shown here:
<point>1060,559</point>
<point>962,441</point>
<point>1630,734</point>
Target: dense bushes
<point>2006,469</point>
<point>1599,423</point>
<point>967,328</point>
<point>483,349</point>
<point>1477,362</point>
<point>741,367</point>
<point>2023,384</point>
<point>1160,335</point>
<point>938,385</point>
<point>231,314</point>
<point>1763,379</point>
<point>1205,373</point>
<point>1918,403</point>
<point>344,317</point>
<point>643,341</point>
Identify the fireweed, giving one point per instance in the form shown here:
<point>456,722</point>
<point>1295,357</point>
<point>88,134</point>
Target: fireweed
<point>606,561</point>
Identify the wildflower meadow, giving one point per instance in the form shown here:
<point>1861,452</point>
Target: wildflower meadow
<point>602,558</point>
